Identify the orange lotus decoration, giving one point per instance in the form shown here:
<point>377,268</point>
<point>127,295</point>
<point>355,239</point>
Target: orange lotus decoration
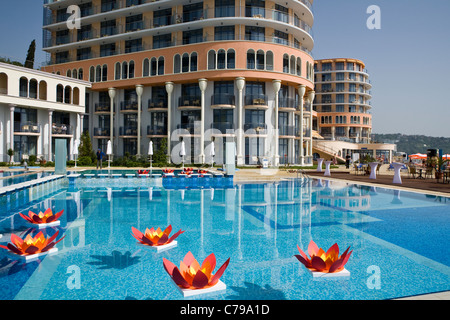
<point>31,245</point>
<point>167,170</point>
<point>202,171</point>
<point>143,171</point>
<point>42,217</point>
<point>327,262</point>
<point>153,237</point>
<point>192,275</point>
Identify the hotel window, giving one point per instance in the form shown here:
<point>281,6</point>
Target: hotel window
<point>92,74</point>
<point>352,87</point>
<point>83,54</point>
<point>352,76</point>
<point>326,67</point>
<point>223,93</point>
<point>231,59</point>
<point>107,50</point>
<point>134,23</point>
<point>340,76</point>
<point>131,70</point>
<point>125,70</point>
<point>134,2</point>
<point>162,41</point>
<point>340,108</point>
<point>133,45</point>
<point>281,13</point>
<point>350,66</point>
<point>340,87</point>
<point>192,36</point>
<point>153,67</point>
<point>251,59</point>
<point>211,60</point>
<point>160,65</point>
<point>23,87</point>
<point>118,71</point>
<point>224,8</point>
<point>105,73</point>
<point>108,28</point>
<point>351,98</point>
<point>326,98</point>
<point>98,74</point>
<point>285,63</point>
<point>221,59</point>
<point>269,60</point>
<point>85,9</point>
<point>85,33</point>
<point>108,5</point>
<point>255,33</point>
<point>326,108</point>
<point>326,87</point>
<point>260,60</point>
<point>339,66</point>
<point>255,91</point>
<point>162,17</point>
<point>224,33</point>
<point>351,108</point>
<point>281,37</point>
<point>62,37</point>
<point>255,8</point>
<point>292,65</point>
<point>62,15</point>
<point>299,66</point>
<point>192,12</point>
<point>340,98</point>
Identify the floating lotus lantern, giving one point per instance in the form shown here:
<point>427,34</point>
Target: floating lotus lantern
<point>192,278</point>
<point>168,172</point>
<point>202,171</point>
<point>157,239</point>
<point>43,219</point>
<point>323,263</point>
<point>32,247</point>
<point>143,171</point>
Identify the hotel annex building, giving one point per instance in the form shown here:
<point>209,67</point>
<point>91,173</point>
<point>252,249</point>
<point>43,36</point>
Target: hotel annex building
<point>197,71</point>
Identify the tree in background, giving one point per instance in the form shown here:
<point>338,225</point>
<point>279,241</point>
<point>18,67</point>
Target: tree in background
<point>160,156</point>
<point>29,62</point>
<point>85,149</point>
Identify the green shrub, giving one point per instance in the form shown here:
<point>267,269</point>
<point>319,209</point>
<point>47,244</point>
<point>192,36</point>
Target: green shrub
<point>84,161</point>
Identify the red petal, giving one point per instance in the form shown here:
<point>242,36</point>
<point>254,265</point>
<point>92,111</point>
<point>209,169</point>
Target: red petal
<point>178,278</point>
<point>211,260</point>
<point>346,257</point>
<point>32,250</point>
<point>336,265</point>
<point>163,239</point>
<point>16,240</point>
<point>318,264</point>
<point>302,253</point>
<point>304,261</point>
<point>49,210</point>
<point>12,248</point>
<point>333,248</point>
<point>50,219</point>
<point>26,218</point>
<point>215,278</point>
<point>137,233</point>
<point>53,237</point>
<point>59,214</point>
<point>312,248</point>
<point>37,219</point>
<point>175,236</point>
<point>168,266</point>
<point>200,280</point>
<point>168,230</point>
<point>188,258</point>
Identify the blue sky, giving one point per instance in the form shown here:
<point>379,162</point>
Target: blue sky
<point>407,59</point>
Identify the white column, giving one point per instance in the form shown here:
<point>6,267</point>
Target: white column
<point>11,128</point>
<point>240,84</point>
<point>333,133</point>
<point>203,83</point>
<point>301,92</point>
<point>139,91</point>
<point>112,95</point>
<point>169,89</point>
<point>276,88</point>
<point>50,133</point>
<point>311,96</point>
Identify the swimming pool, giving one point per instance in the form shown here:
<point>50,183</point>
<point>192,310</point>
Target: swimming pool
<point>28,177</point>
<point>399,241</point>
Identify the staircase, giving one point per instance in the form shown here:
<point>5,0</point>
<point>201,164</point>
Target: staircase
<point>330,152</point>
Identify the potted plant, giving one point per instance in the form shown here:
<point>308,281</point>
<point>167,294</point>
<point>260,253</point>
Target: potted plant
<point>10,154</point>
<point>439,164</point>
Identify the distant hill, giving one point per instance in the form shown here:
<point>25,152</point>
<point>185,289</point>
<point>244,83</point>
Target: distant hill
<point>414,143</point>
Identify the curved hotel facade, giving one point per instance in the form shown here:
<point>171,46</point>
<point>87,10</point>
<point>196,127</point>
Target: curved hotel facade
<point>222,70</point>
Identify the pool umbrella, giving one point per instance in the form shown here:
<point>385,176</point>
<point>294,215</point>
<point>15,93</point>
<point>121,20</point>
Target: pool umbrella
<point>150,152</point>
<point>109,152</point>
<point>212,153</point>
<point>418,156</point>
<point>183,152</point>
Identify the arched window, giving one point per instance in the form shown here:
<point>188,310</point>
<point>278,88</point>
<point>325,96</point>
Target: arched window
<point>250,59</point>
<point>211,60</point>
<point>146,67</point>
<point>285,63</point>
<point>194,61</point>
<point>231,59</point>
<point>260,60</point>
<point>23,84</point>
<point>80,74</point>
<point>161,66</point>
<point>92,74</point>
<point>59,93</point>
<point>299,66</point>
<point>69,73</point>
<point>307,70</point>
<point>98,74</point>
<point>67,95</point>
<point>125,70</point>
<point>269,60</point>
<point>292,65</point>
<point>105,72</point>
<point>177,63</point>
<point>33,89</point>
<point>118,71</point>
<point>75,74</point>
<point>185,63</point>
<point>3,83</point>
<point>76,96</point>
<point>221,59</point>
<point>131,70</point>
<point>153,67</point>
<point>43,90</point>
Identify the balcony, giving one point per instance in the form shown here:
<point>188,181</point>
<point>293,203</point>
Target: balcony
<point>102,107</point>
<point>157,130</point>
<point>288,131</point>
<point>223,100</point>
<point>255,128</point>
<point>256,100</point>
<point>189,102</point>
<point>129,106</point>
<point>27,128</point>
<point>62,129</point>
<point>223,127</point>
<point>190,127</point>
<point>128,131</point>
<point>157,103</point>
<point>102,132</point>
<point>287,103</point>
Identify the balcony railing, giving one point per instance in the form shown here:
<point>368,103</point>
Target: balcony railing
<point>189,101</point>
<point>286,131</point>
<point>259,128</point>
<point>129,106</point>
<point>103,132</point>
<point>157,103</point>
<point>255,100</point>
<point>287,103</point>
<point>102,107</point>
<point>157,130</point>
<point>190,127</point>
<point>223,127</point>
<point>223,99</point>
<point>62,129</point>
<point>128,131</point>
<point>30,127</point>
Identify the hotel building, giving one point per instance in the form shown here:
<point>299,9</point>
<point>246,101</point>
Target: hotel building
<point>343,106</point>
<point>36,108</point>
<point>201,71</point>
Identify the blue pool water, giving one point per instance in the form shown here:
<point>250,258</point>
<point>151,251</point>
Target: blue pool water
<point>403,235</point>
<point>6,174</point>
<point>25,178</point>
